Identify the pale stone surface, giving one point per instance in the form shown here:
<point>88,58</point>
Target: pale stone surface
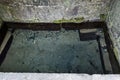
<point>106,77</point>
<point>114,26</point>
<point>50,10</point>
<point>46,76</point>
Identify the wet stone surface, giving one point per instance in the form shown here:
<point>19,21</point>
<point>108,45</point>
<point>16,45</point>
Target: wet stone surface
<point>51,52</point>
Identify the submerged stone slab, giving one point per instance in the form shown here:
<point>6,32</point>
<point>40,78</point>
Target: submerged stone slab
<point>51,10</point>
<point>51,52</point>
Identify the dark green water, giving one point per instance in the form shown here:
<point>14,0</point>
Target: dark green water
<point>51,52</point>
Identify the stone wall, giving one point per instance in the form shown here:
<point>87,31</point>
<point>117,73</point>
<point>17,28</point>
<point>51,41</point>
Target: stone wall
<point>52,10</point>
<point>114,26</point>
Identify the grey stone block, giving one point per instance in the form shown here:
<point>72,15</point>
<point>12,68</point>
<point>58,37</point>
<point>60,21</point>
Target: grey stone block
<point>46,76</point>
<point>50,10</point>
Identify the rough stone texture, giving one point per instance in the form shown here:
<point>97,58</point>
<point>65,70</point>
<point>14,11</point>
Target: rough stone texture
<point>114,26</point>
<point>50,10</point>
<point>29,76</point>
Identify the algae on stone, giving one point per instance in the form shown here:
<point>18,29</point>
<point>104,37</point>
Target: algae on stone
<point>75,20</point>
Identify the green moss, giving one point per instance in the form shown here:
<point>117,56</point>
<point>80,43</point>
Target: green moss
<point>103,17</point>
<point>75,20</point>
<point>3,7</point>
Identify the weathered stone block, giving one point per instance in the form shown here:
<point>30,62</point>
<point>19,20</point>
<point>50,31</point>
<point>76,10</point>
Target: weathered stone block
<point>114,26</point>
<point>51,10</point>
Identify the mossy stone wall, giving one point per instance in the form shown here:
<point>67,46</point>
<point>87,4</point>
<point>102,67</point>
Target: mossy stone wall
<point>52,10</point>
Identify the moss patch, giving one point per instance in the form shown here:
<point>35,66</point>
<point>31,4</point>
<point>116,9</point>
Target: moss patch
<point>75,20</point>
<point>3,7</point>
<point>103,17</point>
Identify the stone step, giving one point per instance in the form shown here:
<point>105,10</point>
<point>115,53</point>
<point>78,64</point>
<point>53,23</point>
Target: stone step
<point>47,76</point>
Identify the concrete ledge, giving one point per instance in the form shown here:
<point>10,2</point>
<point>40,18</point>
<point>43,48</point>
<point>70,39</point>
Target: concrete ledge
<point>47,76</point>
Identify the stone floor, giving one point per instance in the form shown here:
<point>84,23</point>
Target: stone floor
<point>52,52</point>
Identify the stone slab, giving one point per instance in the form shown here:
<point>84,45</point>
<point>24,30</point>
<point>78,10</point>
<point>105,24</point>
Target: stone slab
<point>46,76</point>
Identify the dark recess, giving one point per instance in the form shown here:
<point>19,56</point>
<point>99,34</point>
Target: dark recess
<point>3,32</point>
<point>4,52</point>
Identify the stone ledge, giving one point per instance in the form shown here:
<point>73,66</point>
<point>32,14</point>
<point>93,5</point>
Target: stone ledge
<point>53,76</point>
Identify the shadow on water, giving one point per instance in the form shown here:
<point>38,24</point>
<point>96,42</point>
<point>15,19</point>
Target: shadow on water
<point>3,32</point>
<point>101,54</point>
<point>87,36</point>
<point>93,36</point>
<point>4,52</point>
